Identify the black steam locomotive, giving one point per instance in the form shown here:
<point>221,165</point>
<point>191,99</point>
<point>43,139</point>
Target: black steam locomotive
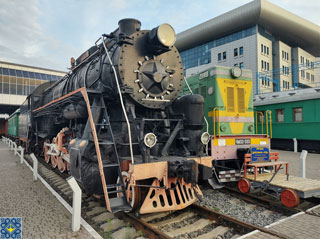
<point>117,124</point>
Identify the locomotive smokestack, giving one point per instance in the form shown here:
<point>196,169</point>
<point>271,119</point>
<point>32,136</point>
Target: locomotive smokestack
<point>129,26</point>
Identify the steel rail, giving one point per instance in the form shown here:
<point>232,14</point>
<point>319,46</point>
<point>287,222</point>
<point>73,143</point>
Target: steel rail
<point>148,229</point>
<point>219,217</point>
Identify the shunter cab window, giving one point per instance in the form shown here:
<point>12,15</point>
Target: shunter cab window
<point>196,91</point>
<point>297,114</point>
<point>260,116</point>
<point>280,115</point>
<point>203,91</point>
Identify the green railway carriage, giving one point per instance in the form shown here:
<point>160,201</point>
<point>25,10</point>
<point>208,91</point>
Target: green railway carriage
<point>295,115</point>
<point>13,124</point>
<point>229,112</point>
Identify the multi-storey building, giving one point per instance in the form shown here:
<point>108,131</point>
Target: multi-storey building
<point>17,81</point>
<point>260,36</point>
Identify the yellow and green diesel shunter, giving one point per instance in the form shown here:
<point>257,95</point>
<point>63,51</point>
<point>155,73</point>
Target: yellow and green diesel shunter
<point>229,112</point>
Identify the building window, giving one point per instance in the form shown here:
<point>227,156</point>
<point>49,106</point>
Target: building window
<point>267,66</point>
<point>241,65</point>
<point>261,48</point>
<point>312,78</point>
<point>297,114</point>
<point>235,52</point>
<point>280,115</point>
<point>268,51</point>
<point>261,64</point>
<point>224,55</point>
<point>219,57</point>
<point>241,51</point>
<point>302,74</point>
<point>264,49</point>
<point>308,76</point>
<point>284,84</point>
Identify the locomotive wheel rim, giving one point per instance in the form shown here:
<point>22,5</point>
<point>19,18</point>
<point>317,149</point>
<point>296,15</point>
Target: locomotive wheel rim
<point>290,198</point>
<point>244,185</point>
<point>132,193</point>
<point>46,156</point>
<point>53,161</point>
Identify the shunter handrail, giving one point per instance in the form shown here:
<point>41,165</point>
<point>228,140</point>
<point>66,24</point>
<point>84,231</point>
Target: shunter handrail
<point>258,112</point>
<point>269,121</point>
<point>120,96</point>
<point>214,121</point>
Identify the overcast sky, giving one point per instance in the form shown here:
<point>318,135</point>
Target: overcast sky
<point>47,33</point>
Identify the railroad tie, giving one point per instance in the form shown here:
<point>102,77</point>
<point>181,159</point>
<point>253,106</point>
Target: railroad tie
<point>198,225</point>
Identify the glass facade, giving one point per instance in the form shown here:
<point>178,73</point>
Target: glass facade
<point>201,54</point>
<point>20,82</point>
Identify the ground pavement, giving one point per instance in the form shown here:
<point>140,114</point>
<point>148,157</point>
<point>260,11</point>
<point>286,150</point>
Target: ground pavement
<point>42,214</point>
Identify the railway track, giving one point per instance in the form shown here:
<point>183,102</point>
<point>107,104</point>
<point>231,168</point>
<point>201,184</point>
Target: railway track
<point>194,222</point>
<point>270,202</point>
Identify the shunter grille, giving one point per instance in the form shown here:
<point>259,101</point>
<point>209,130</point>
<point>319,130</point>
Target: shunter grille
<point>241,101</point>
<point>230,99</point>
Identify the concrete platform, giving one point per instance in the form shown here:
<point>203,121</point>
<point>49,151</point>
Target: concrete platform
<point>312,163</point>
<point>42,214</point>
<point>298,226</point>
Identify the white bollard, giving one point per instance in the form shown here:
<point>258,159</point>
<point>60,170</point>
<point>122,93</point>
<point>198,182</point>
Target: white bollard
<point>21,154</point>
<point>303,157</point>
<point>295,145</point>
<point>76,203</point>
<point>35,167</point>
<point>15,148</point>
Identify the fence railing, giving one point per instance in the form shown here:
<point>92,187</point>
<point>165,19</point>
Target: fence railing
<point>294,77</point>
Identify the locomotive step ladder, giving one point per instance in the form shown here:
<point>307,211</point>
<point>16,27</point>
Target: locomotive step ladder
<point>96,121</point>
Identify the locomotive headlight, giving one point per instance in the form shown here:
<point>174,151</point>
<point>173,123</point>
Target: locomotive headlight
<point>163,36</point>
<point>150,140</point>
<point>205,138</point>
<point>166,35</point>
